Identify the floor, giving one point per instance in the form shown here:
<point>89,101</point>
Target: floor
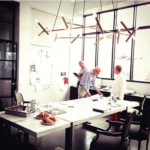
<point>81,140</point>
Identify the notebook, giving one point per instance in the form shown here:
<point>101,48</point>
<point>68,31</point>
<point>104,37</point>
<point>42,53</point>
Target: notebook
<point>101,109</point>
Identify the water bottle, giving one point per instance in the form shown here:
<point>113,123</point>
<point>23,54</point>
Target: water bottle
<point>115,100</point>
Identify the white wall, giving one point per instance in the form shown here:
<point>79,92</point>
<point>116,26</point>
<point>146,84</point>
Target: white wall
<point>74,54</point>
<point>25,49</point>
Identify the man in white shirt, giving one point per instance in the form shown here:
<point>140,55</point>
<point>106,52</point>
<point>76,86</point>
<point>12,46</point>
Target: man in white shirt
<point>118,89</point>
<point>119,84</point>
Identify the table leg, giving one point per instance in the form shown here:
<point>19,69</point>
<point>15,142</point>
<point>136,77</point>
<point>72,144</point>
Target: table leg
<point>26,138</point>
<point>69,138</point>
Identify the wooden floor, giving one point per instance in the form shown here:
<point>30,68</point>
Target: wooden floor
<point>81,140</point>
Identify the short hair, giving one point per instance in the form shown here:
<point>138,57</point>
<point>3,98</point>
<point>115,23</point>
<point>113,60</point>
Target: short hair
<point>81,62</point>
<point>97,69</point>
<point>118,68</point>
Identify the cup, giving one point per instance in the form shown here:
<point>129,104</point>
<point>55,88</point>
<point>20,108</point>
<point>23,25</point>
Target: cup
<point>28,109</point>
<point>101,96</point>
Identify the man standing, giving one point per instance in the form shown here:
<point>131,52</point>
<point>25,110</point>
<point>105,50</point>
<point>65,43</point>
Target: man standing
<point>88,78</point>
<point>119,84</point>
<point>82,70</point>
<point>118,89</point>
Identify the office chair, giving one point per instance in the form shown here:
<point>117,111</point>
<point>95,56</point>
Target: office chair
<point>140,108</point>
<point>19,98</point>
<point>106,140</point>
<point>139,130</point>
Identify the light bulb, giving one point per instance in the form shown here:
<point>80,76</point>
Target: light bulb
<point>36,21</point>
<point>94,14</point>
<point>104,36</point>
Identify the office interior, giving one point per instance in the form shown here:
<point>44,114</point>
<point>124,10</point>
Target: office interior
<point>41,67</point>
<point>52,55</point>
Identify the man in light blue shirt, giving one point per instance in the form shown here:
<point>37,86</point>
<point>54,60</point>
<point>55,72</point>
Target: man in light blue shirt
<point>88,78</point>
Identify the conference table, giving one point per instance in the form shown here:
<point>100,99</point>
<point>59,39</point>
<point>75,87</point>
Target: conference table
<point>77,111</point>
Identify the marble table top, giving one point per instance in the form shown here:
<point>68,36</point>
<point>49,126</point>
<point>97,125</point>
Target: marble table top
<point>77,112</point>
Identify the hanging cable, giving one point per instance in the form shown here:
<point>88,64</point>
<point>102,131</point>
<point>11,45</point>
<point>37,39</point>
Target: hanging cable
<point>113,4</point>
<point>73,11</point>
<point>57,14</point>
<point>101,5</point>
<point>83,9</point>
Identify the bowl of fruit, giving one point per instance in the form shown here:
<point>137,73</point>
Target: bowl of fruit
<point>50,120</point>
<point>41,115</point>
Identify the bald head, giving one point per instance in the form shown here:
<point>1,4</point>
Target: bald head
<point>96,70</point>
<point>81,63</point>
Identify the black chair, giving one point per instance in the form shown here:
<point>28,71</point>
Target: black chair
<point>139,109</point>
<point>140,129</point>
<point>19,98</point>
<point>106,140</point>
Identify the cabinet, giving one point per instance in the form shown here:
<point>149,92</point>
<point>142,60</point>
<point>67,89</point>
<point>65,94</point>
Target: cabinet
<point>74,94</point>
<point>9,33</point>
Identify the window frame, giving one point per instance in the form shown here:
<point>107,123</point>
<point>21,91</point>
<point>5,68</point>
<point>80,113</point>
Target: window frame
<point>135,7</point>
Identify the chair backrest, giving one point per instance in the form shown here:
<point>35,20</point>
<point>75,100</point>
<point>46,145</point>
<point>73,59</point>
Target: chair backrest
<point>143,101</point>
<point>18,97</point>
<point>145,119</point>
<point>126,127</point>
<point>146,103</point>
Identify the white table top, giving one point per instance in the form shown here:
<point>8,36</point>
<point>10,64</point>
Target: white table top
<point>35,128</point>
<point>81,111</point>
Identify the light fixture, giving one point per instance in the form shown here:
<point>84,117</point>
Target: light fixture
<point>75,38</point>
<point>125,27</point>
<point>44,30</point>
<point>131,34</point>
<point>100,28</point>
<point>65,22</point>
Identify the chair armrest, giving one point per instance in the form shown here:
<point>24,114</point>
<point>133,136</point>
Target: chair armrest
<point>138,115</point>
<point>114,123</point>
<point>135,122</point>
<point>122,120</point>
<point>109,133</point>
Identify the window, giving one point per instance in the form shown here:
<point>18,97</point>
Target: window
<point>89,52</point>
<point>105,45</point>
<point>104,60</point>
<point>132,55</point>
<point>142,46</point>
